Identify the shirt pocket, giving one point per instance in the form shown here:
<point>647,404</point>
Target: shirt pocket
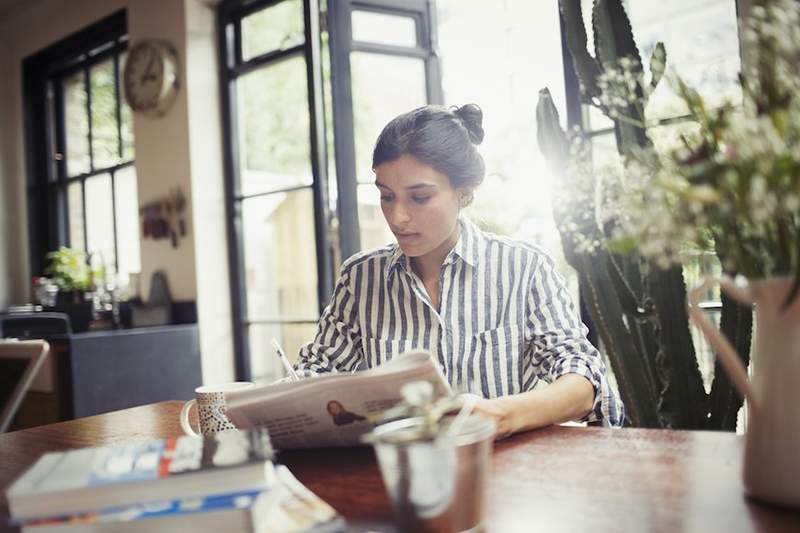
<point>494,361</point>
<point>378,351</point>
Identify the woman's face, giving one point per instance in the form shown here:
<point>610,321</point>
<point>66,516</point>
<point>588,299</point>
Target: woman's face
<point>419,204</point>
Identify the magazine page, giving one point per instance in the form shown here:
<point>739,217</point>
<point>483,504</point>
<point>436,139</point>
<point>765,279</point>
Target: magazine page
<point>335,409</point>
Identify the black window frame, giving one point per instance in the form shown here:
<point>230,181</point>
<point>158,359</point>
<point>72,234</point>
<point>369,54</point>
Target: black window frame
<point>45,142</point>
<point>341,45</point>
<point>326,219</point>
<point>230,14</point>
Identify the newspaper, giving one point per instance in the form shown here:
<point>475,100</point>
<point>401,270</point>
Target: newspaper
<point>331,409</point>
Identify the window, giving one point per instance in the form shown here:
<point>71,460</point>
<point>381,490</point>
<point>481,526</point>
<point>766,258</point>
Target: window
<point>384,63</point>
<point>517,54</point>
<point>95,180</point>
<point>276,182</point>
<point>285,230</point>
<point>703,48</point>
<point>85,194</point>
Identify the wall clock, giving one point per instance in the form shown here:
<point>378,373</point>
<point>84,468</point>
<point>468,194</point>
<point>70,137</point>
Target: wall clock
<point>151,77</point>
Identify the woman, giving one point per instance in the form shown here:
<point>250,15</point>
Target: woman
<point>492,310</point>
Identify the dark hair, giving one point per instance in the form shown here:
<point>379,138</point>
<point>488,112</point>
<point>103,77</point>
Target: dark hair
<point>440,137</point>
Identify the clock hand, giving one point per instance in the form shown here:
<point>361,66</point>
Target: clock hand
<point>148,74</point>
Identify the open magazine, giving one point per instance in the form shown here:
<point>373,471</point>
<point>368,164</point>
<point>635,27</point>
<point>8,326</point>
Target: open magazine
<point>331,409</point>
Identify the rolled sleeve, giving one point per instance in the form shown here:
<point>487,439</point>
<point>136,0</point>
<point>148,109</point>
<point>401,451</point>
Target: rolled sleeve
<point>559,345</point>
<point>337,343</point>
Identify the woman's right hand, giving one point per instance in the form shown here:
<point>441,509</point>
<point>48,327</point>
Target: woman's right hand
<point>301,374</point>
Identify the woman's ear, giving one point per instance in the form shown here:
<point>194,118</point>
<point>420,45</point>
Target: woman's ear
<point>464,197</point>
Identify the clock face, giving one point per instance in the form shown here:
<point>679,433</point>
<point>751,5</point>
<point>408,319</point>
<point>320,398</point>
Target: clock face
<point>150,77</point>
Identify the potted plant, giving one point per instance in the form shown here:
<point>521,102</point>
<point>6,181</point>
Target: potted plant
<point>637,307</point>
<point>67,268</point>
<point>732,185</point>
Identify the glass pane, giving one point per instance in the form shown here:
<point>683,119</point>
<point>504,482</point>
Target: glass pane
<point>275,28</point>
<point>383,28</point>
<point>75,215</point>
<point>100,221</point>
<point>383,87</point>
<point>273,128</point>
<point>126,115</point>
<point>702,45</point>
<point>495,71</point>
<point>594,119</point>
<point>374,230</point>
<point>280,256</point>
<point>127,214</point>
<point>604,150</point>
<point>76,124</point>
<point>668,136</point>
<point>105,143</point>
<point>264,364</point>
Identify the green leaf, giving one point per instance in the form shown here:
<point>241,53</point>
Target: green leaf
<point>658,63</point>
<point>622,245</point>
<point>613,36</point>
<point>586,66</point>
<point>551,138</point>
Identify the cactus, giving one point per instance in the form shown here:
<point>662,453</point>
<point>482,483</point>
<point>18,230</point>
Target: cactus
<point>638,308</point>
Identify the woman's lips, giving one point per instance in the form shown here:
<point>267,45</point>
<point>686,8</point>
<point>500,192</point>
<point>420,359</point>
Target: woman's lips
<point>406,236</point>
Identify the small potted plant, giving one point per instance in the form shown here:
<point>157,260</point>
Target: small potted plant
<point>67,268</point>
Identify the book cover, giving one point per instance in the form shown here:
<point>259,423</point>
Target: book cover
<point>180,467</point>
<point>228,510</point>
<point>285,506</point>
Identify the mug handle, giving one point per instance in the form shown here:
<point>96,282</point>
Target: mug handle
<point>184,418</point>
<point>722,347</point>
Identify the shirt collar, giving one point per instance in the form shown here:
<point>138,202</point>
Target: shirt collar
<point>466,248</point>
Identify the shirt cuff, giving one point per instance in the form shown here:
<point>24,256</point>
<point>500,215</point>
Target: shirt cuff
<point>606,408</point>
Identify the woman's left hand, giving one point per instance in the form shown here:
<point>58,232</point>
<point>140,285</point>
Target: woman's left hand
<point>500,409</point>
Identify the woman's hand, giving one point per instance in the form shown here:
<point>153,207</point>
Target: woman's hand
<point>503,413</point>
<point>569,398</point>
<point>301,374</point>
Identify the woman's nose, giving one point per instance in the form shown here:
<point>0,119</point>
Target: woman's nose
<point>400,215</point>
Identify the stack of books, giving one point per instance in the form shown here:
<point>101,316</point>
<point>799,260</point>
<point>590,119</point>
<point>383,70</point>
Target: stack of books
<point>223,482</point>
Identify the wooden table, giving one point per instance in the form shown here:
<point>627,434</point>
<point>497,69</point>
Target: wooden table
<point>556,479</point>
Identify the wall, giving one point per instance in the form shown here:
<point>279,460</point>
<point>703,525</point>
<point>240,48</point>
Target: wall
<point>167,155</point>
<point>208,195</point>
<point>32,28</point>
<point>7,189</point>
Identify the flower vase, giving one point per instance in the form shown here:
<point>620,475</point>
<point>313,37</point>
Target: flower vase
<point>772,440</point>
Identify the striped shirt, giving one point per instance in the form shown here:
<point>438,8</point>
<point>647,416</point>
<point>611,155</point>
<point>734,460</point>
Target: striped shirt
<point>505,320</point>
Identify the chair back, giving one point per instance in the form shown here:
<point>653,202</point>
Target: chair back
<point>34,325</point>
<point>19,363</point>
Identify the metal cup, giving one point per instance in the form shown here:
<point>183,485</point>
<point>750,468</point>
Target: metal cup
<point>436,483</point>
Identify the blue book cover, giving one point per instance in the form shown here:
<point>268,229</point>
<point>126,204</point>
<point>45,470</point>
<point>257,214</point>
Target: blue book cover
<point>93,479</point>
<point>159,509</point>
<point>284,505</point>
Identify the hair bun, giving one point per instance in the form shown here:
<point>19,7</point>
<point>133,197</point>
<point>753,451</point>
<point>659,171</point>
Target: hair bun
<point>471,117</point>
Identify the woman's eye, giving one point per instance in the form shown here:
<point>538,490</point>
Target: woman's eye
<point>421,199</point>
<point>385,198</point>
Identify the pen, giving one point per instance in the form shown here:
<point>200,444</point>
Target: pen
<point>285,361</point>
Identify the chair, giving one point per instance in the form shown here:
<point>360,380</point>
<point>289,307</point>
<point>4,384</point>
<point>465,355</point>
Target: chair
<point>19,363</point>
<point>34,325</point>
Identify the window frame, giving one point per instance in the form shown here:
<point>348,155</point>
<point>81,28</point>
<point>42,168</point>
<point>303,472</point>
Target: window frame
<point>46,182</point>
<point>341,45</point>
<point>59,180</point>
<point>232,66</point>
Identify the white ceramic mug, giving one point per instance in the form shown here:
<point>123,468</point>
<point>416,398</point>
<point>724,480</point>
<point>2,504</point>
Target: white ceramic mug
<point>211,401</point>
